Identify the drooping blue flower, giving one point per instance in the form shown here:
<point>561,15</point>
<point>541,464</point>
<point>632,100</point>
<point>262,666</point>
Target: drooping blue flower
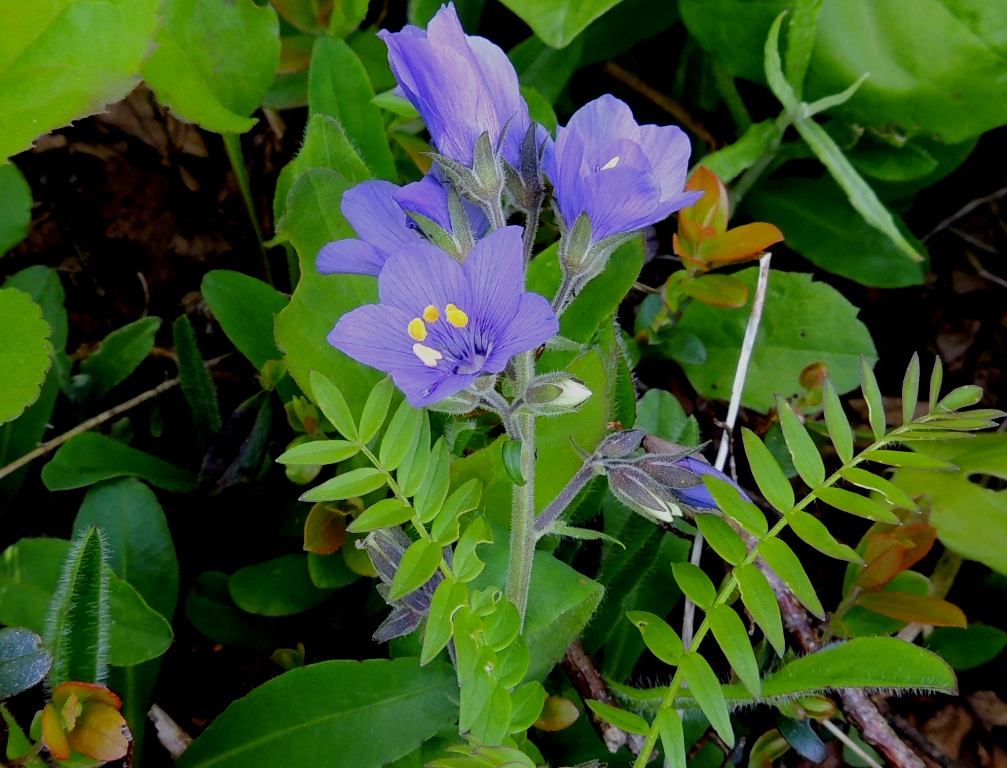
<point>379,212</point>
<point>624,176</point>
<point>697,496</point>
<point>440,324</point>
<point>462,86</point>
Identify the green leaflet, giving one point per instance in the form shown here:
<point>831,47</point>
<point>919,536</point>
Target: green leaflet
<point>558,22</point>
<point>245,308</point>
<point>15,207</point>
<point>120,353</point>
<point>25,354</point>
<point>197,386</point>
<point>348,714</point>
<point>278,587</point>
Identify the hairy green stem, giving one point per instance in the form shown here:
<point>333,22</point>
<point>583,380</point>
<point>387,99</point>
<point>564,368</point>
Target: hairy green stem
<point>522,535</point>
<point>232,143</point>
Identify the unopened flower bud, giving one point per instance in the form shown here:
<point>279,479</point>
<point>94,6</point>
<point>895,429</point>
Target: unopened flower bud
<point>620,444</point>
<point>641,493</point>
<point>667,471</point>
<point>548,397</point>
<point>460,403</point>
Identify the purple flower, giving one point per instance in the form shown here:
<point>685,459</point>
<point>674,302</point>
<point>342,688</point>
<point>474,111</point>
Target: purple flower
<point>379,213</point>
<point>382,226</point>
<point>462,86</point>
<point>698,497</point>
<point>440,325</point>
<point>624,176</point>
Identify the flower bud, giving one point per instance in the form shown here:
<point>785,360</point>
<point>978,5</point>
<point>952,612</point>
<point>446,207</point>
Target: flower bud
<point>620,444</point>
<point>666,470</point>
<point>641,493</point>
<point>552,396</point>
<point>461,403</point>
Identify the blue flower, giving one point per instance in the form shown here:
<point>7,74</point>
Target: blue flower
<point>379,213</point>
<point>698,497</point>
<point>462,86</point>
<point>624,176</point>
<point>440,324</point>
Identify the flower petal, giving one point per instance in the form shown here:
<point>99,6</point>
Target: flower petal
<point>602,121</point>
<point>375,335</point>
<point>377,219</point>
<point>494,270</point>
<point>621,200</point>
<point>350,257</point>
<point>420,275</point>
<point>668,149</point>
<point>533,325</point>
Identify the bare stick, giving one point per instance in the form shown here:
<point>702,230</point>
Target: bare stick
<point>856,748</point>
<point>965,210</point>
<point>740,374</point>
<point>169,733</point>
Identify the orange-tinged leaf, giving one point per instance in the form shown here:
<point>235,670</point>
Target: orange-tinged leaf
<point>100,733</point>
<point>53,735</point>
<point>85,692</point>
<point>325,528</point>
<point>919,538</point>
<point>717,291</point>
<point>712,209</point>
<point>813,376</point>
<point>917,608</point>
<point>884,555</point>
<point>557,713</point>
<point>740,243</point>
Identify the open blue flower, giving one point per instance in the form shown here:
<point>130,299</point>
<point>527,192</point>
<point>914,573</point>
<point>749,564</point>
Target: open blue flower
<point>379,213</point>
<point>440,325</point>
<point>462,86</point>
<point>624,176</point>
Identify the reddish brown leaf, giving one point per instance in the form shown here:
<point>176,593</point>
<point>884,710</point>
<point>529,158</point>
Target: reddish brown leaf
<point>740,243</point>
<point>712,209</point>
<point>916,608</point>
<point>325,528</point>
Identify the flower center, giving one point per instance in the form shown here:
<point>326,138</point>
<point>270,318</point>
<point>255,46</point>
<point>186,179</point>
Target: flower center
<point>417,330</point>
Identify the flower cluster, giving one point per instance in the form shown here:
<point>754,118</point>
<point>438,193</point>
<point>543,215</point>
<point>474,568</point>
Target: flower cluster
<point>450,271</point>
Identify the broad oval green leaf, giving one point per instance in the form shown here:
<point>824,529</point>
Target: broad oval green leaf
<point>279,587</point>
<point>214,61</point>
<point>65,59</point>
<point>724,540</point>
<point>804,322</point>
<point>137,633</point>
<point>120,353</point>
<point>659,637</point>
<point>695,584</point>
<point>620,718</point>
<point>15,207</point>
<point>419,564</point>
<point>749,516</point>
<point>558,22</point>
<point>334,714</point>
<point>25,356</point>
<point>384,514</point>
<point>319,452</point>
<point>245,308</point>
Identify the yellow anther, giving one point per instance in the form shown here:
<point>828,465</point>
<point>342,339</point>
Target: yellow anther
<point>611,163</point>
<point>427,355</point>
<point>430,314</point>
<point>455,316</point>
<point>416,329</point>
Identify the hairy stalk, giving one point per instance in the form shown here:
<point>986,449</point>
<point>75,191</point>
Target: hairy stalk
<point>232,143</point>
<point>522,535</point>
<point>558,506</point>
<point>531,227</point>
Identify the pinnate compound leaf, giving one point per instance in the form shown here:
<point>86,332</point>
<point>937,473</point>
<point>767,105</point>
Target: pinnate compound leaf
<point>91,457</point>
<point>25,356</point>
<point>803,451</point>
<point>892,493</point>
<point>705,688</point>
<point>449,596</point>
<point>767,472</point>
<point>401,436</point>
<point>732,637</point>
<point>855,504</point>
<point>334,714</point>
<point>431,495</point>
<point>669,725</point>
<point>785,563</point>
<point>838,424</point>
<point>912,460</point>
<point>66,59</point>
<point>120,354</point>
<point>729,500</point>
<point>384,514</point>
<point>813,532</point>
<point>330,399</point>
<point>804,322</point>
<point>214,61</point>
<point>724,540</point>
<point>23,660</point>
<point>620,718</point>
<point>419,563</point>
<point>760,600</point>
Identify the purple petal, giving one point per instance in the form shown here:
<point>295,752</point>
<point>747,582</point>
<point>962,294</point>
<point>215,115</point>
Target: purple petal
<point>562,165</point>
<point>427,197</point>
<point>494,270</point>
<point>533,325</point>
<point>377,219</point>
<point>603,121</point>
<point>620,200</point>
<point>375,335</point>
<point>699,497</point>
<point>350,257</point>
<point>669,150</point>
<point>420,275</point>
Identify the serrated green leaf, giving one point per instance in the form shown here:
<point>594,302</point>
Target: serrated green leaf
<point>383,514</point>
<point>813,532</point>
<point>732,637</point>
<point>356,482</point>
<point>760,600</point>
<point>418,564</point>
<point>620,718</point>
<point>803,451</point>
<point>695,584</point>
<point>319,452</point>
<point>658,636</point>
<point>838,424</point>
<point>66,60</point>
<point>197,386</point>
<point>449,596</point>
<point>705,687</point>
<point>214,62</point>
<point>25,355</point>
<point>431,495</point>
<point>731,504</point>
<point>767,472</point>
<point>855,504</point>
<point>724,540</point>
<point>338,86</point>
<point>376,409</point>
<point>333,405</point>
<point>401,436</point>
<point>351,715</point>
<point>785,563</point>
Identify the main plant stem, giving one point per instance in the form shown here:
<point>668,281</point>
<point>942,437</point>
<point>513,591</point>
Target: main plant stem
<point>522,534</point>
